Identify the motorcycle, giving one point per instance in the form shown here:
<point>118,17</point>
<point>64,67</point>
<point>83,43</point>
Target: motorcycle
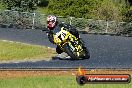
<point>71,45</point>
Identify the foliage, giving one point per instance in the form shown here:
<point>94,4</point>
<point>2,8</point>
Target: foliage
<point>91,9</point>
<point>75,8</point>
<point>43,3</point>
<point>118,10</point>
<point>20,5</point>
<point>128,14</point>
<point>2,6</point>
<point>108,10</point>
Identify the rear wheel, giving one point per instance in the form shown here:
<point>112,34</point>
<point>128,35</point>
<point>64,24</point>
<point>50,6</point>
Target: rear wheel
<point>86,53</point>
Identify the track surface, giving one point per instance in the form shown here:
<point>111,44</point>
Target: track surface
<point>106,51</point>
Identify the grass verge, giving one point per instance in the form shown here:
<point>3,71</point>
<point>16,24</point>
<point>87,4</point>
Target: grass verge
<point>21,51</point>
<point>53,79</point>
<point>53,82</point>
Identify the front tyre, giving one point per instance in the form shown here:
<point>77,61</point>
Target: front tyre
<point>69,51</point>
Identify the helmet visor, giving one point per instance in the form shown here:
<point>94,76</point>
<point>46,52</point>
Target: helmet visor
<point>50,22</point>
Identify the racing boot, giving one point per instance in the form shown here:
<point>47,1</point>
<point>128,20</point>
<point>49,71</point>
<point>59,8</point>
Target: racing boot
<point>61,54</point>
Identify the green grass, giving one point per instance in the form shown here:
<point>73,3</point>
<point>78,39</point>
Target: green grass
<point>53,82</point>
<point>21,51</point>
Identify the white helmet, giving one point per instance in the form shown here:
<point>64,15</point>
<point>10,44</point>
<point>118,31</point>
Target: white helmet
<point>51,21</point>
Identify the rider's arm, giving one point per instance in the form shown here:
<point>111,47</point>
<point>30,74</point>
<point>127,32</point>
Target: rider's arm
<point>50,37</point>
<point>71,29</point>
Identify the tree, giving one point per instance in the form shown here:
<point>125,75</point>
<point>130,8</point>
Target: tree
<point>20,5</point>
<point>108,10</point>
<point>76,8</point>
<point>43,3</point>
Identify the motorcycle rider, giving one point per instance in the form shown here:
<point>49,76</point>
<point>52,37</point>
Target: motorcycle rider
<point>53,25</point>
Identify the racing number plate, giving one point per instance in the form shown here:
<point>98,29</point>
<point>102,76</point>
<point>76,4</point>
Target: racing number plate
<point>61,35</point>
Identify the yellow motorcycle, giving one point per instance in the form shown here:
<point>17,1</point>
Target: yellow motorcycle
<point>70,44</point>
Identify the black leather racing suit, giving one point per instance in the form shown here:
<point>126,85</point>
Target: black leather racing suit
<point>57,28</point>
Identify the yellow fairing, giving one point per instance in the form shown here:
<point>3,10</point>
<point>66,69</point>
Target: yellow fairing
<point>61,36</point>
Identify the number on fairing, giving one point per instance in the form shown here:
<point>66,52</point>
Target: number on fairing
<point>63,35</point>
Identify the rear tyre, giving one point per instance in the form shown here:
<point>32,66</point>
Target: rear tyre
<point>86,53</point>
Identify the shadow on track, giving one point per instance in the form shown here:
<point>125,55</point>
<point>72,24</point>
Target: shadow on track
<point>67,59</point>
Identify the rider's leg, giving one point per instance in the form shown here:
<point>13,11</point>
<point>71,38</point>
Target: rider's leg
<point>58,50</point>
<point>61,54</point>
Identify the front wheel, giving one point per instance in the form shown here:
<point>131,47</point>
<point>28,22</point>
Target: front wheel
<point>70,51</point>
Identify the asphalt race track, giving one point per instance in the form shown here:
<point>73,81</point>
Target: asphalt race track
<point>106,51</point>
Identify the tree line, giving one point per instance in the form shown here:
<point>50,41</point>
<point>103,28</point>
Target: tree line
<point>118,10</point>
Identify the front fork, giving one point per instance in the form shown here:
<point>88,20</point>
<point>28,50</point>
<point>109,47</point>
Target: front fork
<point>76,47</point>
